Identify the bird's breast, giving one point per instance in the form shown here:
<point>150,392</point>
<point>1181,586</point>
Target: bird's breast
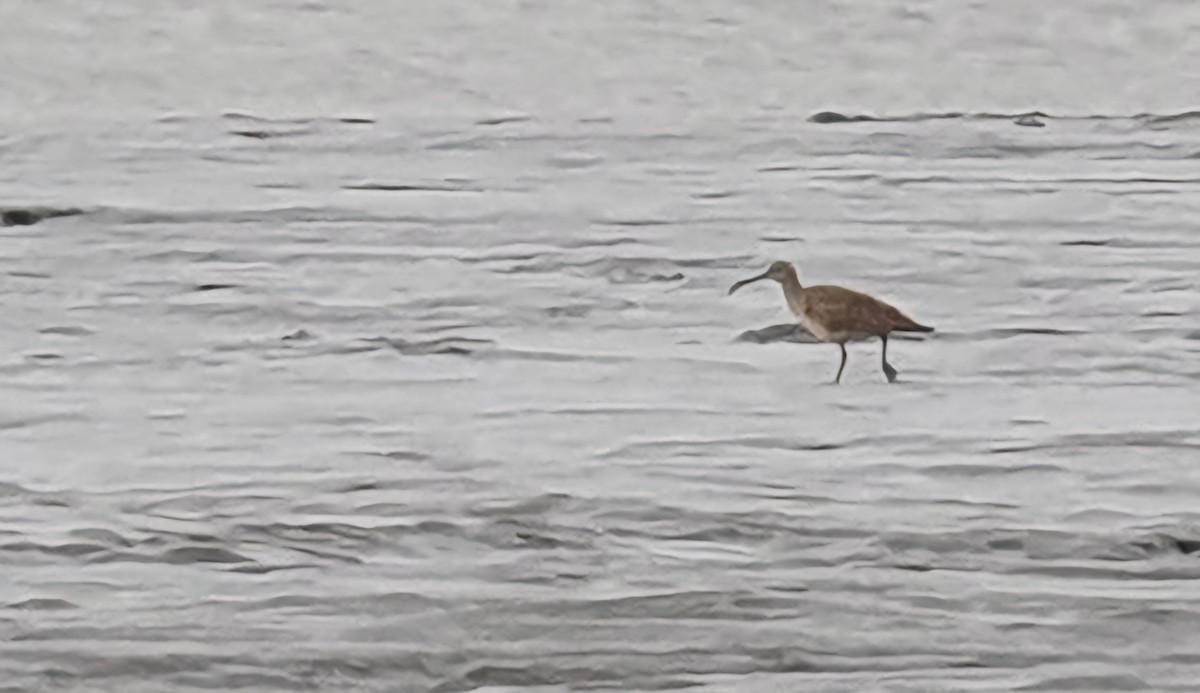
<point>799,309</point>
<point>814,327</point>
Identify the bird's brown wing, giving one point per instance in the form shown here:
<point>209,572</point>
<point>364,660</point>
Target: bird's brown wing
<point>843,310</point>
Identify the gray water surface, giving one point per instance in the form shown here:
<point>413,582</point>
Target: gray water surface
<point>389,349</point>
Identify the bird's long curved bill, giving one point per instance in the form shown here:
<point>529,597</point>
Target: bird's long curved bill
<point>744,282</point>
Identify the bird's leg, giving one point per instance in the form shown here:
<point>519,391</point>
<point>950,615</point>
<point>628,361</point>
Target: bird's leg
<point>887,367</point>
<point>838,379</point>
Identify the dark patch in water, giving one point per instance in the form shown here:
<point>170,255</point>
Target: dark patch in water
<point>776,168</point>
<point>536,505</point>
<point>1169,118</point>
<point>1087,243</point>
<point>826,117</point>
<point>1104,682</point>
<point>67,330</point>
<point>1006,332</point>
<point>633,222</point>
<point>576,311</point>
<point>1027,118</point>
<point>262,569</point>
<point>1134,439</point>
<point>595,242</point>
<point>833,117</point>
<point>43,605</point>
<point>501,120</point>
<point>411,187</point>
<point>456,346</point>
<point>265,134</point>
<point>1122,181</point>
<point>240,115</point>
<point>202,554</point>
<point>28,216</point>
<point>1187,546</point>
<point>68,550</point>
<point>406,455</point>
<point>461,143</point>
<point>691,448</point>
<point>977,470</point>
<point>7,489</point>
<point>45,356</point>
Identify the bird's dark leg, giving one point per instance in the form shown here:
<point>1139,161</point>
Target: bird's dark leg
<point>887,367</point>
<point>838,379</point>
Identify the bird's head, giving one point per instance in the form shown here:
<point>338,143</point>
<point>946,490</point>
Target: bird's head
<point>778,271</point>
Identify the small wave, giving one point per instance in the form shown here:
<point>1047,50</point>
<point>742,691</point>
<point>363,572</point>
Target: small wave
<point>504,119</point>
<point>635,221</point>
<point>242,116</point>
<point>392,602</point>
<point>281,215</point>
<point>71,550</point>
<point>269,134</point>
<point>696,446</point>
<point>32,420</point>
<point>1010,333</point>
<point>249,125</point>
<point>1115,681</point>
<point>7,489</point>
<point>447,186</point>
<point>624,270</point>
<point>454,346</point>
<point>977,470</point>
<point>686,605</point>
<point>1027,118</point>
<point>67,330</point>
<point>201,554</point>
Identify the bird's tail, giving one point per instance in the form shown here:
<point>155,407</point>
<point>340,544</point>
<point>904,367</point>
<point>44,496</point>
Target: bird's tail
<point>914,327</point>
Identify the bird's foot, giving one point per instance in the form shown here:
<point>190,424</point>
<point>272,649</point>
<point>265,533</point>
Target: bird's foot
<point>889,372</point>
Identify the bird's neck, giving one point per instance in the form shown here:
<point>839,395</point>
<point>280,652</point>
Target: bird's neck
<point>791,281</point>
<point>793,293</point>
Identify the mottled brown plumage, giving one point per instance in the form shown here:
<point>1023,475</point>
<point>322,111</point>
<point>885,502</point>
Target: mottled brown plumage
<point>837,315</point>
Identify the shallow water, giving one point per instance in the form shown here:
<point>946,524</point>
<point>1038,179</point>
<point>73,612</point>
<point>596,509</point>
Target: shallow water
<point>390,350</point>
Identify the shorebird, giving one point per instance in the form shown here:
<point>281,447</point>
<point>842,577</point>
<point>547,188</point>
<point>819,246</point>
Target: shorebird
<point>838,315</point>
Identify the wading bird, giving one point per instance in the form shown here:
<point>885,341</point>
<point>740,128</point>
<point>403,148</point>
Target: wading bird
<point>837,315</point>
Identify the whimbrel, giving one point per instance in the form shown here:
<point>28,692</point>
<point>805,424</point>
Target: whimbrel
<point>837,315</point>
